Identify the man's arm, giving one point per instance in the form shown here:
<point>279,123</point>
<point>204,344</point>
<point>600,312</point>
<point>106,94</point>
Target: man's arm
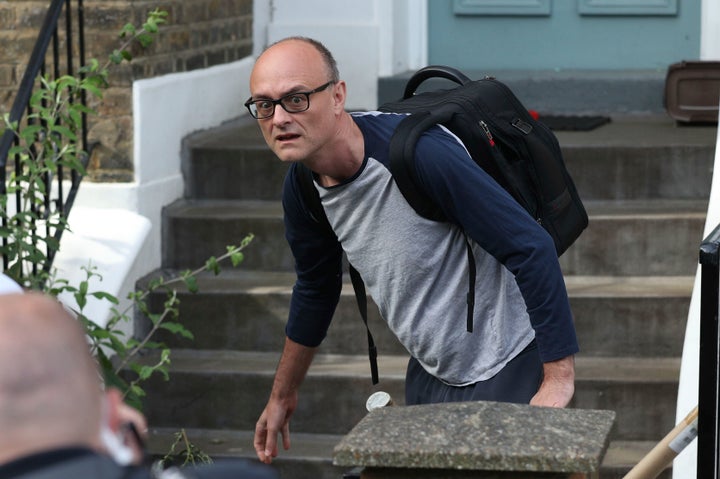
<point>275,419</point>
<point>318,264</point>
<point>504,229</point>
<point>558,385</point>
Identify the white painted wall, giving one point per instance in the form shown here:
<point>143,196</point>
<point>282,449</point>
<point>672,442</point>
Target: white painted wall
<point>685,465</point>
<point>710,30</point>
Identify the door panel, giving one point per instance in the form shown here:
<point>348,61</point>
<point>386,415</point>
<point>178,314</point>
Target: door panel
<point>563,34</point>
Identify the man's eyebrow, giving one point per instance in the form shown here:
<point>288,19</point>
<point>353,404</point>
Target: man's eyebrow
<point>296,89</point>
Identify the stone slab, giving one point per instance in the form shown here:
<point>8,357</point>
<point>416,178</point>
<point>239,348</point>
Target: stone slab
<point>478,436</point>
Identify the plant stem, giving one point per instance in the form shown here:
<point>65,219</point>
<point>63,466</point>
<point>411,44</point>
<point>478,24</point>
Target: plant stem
<point>145,340</point>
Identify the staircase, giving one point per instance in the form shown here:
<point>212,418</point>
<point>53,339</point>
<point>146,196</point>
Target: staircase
<point>645,183</point>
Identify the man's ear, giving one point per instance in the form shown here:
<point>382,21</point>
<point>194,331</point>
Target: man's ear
<point>339,96</point>
<point>113,405</point>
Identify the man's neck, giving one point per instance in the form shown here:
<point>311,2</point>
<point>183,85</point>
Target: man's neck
<point>343,158</point>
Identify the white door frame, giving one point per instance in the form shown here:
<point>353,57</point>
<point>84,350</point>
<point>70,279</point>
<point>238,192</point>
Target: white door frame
<point>370,39</point>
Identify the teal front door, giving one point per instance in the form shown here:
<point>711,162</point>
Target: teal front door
<point>487,35</point>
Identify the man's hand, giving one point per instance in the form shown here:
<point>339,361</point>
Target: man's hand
<point>558,385</point>
<point>274,420</point>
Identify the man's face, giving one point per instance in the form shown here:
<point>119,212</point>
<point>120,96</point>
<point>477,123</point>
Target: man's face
<point>290,67</point>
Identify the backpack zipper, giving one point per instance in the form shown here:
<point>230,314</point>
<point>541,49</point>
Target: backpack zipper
<point>486,129</point>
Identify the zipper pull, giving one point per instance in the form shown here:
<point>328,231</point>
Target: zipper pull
<point>486,129</point>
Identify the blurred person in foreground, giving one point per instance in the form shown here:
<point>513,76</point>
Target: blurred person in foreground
<point>56,421</point>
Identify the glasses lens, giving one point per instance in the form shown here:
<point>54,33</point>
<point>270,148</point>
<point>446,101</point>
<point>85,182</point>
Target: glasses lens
<point>262,108</point>
<point>296,102</point>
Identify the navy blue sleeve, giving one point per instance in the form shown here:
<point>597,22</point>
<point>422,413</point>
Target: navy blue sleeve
<point>318,264</point>
<point>470,198</point>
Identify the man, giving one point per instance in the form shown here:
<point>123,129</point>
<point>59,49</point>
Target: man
<point>55,419</point>
<point>523,343</point>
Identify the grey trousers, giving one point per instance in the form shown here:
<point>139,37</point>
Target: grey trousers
<point>517,382</point>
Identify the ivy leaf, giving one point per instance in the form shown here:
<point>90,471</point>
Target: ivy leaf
<point>116,57</point>
<point>128,29</point>
<point>145,39</point>
<point>64,131</point>
<point>137,390</point>
<point>106,296</point>
<point>177,328</point>
<point>237,258</point>
<point>212,265</point>
<point>191,283</point>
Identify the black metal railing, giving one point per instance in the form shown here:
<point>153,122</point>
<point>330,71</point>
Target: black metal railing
<point>57,200</point>
<point>708,466</point>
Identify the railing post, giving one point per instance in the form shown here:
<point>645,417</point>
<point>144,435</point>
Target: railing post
<point>708,425</point>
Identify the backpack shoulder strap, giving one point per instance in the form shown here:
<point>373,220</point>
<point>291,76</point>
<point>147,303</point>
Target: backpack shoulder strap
<point>311,198</point>
<point>361,298</point>
<point>402,163</point>
<point>402,167</point>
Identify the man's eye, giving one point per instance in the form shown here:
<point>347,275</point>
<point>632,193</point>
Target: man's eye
<point>263,105</point>
<point>296,99</point>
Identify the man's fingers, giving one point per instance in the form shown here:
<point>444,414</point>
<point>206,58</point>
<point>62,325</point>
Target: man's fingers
<point>553,394</point>
<point>259,442</point>
<point>265,443</point>
<point>286,436</point>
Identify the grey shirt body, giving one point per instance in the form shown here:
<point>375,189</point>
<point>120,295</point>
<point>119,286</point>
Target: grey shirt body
<point>416,270</point>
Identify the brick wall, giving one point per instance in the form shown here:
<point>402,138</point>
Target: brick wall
<point>198,34</point>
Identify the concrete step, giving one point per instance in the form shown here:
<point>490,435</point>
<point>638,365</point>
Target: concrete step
<point>247,310</point>
<point>229,389</point>
<point>624,238</point>
<point>641,158</point>
<point>310,455</point>
<point>622,456</point>
<point>231,161</point>
<point>194,230</point>
<point>628,158</point>
<point>642,316</point>
<point>630,238</point>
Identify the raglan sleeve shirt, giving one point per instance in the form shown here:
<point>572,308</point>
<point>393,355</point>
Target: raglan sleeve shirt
<point>318,264</point>
<point>470,198</point>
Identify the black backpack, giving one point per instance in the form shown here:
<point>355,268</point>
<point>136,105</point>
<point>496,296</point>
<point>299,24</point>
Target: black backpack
<point>520,153</point>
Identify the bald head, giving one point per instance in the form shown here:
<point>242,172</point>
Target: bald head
<point>289,64</point>
<point>306,48</point>
<point>50,389</point>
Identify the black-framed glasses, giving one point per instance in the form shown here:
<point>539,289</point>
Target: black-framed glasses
<point>292,103</point>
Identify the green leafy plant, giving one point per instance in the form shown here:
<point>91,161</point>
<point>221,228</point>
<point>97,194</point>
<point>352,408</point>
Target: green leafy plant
<point>117,354</point>
<point>183,453</point>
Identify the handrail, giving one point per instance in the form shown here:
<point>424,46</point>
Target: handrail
<point>36,66</point>
<point>708,456</point>
<point>27,84</point>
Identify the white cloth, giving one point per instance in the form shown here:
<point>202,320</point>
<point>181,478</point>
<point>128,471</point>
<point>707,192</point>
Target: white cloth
<point>8,286</point>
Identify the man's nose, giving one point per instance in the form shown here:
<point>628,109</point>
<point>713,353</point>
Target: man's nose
<point>281,117</point>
